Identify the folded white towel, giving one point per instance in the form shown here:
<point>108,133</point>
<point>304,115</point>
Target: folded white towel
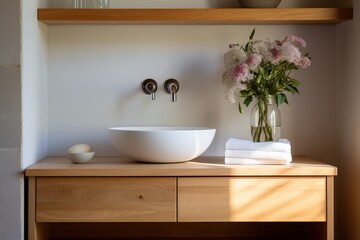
<point>263,155</point>
<point>248,161</point>
<point>283,145</point>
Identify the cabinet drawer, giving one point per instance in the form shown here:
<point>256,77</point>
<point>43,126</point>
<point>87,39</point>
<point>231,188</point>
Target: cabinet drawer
<point>105,199</point>
<point>264,199</point>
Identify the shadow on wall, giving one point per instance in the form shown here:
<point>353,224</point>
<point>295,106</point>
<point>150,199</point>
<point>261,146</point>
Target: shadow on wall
<point>309,119</point>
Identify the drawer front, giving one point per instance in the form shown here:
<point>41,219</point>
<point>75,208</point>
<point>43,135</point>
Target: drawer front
<point>265,199</point>
<point>91,199</point>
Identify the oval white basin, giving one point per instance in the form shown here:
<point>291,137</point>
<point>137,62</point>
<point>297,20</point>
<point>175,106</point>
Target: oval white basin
<point>161,144</point>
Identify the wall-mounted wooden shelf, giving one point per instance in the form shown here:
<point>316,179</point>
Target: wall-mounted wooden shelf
<point>196,16</point>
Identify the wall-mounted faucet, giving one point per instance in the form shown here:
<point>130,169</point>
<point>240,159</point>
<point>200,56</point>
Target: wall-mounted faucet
<point>149,86</point>
<point>172,86</point>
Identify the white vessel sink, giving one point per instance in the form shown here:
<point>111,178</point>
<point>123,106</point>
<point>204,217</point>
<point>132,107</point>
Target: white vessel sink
<point>161,144</point>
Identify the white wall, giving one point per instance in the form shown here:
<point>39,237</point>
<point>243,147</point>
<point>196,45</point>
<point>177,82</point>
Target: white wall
<point>34,85</point>
<point>347,125</point>
<point>95,72</point>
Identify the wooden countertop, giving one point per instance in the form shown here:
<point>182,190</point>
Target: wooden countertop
<point>201,166</point>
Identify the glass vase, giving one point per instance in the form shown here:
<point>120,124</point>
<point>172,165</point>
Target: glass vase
<point>265,120</point>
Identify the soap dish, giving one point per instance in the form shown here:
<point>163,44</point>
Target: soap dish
<point>80,153</point>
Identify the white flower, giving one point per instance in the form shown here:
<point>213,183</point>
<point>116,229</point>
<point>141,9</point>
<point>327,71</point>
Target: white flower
<point>295,40</point>
<point>254,61</point>
<point>228,81</point>
<point>230,95</point>
<point>233,93</point>
<point>259,47</point>
<point>263,48</point>
<point>290,53</point>
<point>233,57</point>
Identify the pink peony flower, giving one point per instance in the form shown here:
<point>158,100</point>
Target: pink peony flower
<point>297,41</point>
<point>304,62</point>
<point>241,72</point>
<point>276,55</point>
<point>254,61</point>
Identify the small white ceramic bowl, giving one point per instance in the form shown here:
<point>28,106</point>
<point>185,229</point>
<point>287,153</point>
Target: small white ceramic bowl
<point>80,157</point>
<point>80,153</point>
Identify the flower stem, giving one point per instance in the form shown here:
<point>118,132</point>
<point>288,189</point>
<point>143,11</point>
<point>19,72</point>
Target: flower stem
<point>263,127</point>
<point>268,130</point>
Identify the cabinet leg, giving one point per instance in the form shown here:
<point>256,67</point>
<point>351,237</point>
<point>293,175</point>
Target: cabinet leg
<point>330,208</point>
<point>36,231</point>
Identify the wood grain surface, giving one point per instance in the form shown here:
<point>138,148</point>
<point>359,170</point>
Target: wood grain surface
<point>201,166</point>
<point>88,199</point>
<point>252,199</point>
<point>196,16</point>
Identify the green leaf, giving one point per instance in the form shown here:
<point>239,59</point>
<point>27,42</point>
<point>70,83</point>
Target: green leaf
<point>252,35</point>
<point>292,89</point>
<point>240,109</point>
<point>265,74</point>
<point>258,78</point>
<point>261,73</point>
<point>246,93</point>
<point>248,100</point>
<point>295,82</point>
<point>247,47</point>
<point>281,98</point>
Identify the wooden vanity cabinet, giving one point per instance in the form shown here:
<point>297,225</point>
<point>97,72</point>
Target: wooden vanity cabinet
<point>114,191</point>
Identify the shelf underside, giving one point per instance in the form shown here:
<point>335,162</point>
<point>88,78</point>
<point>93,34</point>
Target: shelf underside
<point>197,16</point>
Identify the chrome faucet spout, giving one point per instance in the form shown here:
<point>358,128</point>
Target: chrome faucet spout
<point>173,93</point>
<point>172,86</point>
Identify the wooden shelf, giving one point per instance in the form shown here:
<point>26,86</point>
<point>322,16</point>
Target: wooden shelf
<point>196,16</point>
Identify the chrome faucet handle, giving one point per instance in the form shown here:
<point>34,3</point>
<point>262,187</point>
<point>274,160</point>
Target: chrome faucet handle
<point>150,86</point>
<point>172,86</point>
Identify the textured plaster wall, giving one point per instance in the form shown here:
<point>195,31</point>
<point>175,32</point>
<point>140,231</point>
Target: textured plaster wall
<point>11,201</point>
<point>22,107</point>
